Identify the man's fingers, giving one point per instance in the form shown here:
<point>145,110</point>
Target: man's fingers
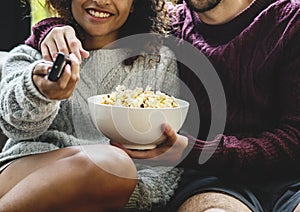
<point>74,44</point>
<point>84,53</point>
<point>170,133</point>
<point>62,39</point>
<point>52,49</point>
<point>46,52</point>
<point>140,154</point>
<point>61,45</point>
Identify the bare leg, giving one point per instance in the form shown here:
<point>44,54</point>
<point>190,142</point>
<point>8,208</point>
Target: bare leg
<point>297,209</point>
<point>213,202</point>
<point>68,180</point>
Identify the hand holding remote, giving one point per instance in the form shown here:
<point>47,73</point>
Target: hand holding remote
<point>60,82</point>
<point>58,66</point>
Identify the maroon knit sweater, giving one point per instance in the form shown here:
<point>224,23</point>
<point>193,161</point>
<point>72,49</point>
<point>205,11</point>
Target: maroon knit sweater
<point>257,57</point>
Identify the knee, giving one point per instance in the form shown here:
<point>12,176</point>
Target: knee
<point>105,173</point>
<point>297,209</point>
<point>213,202</point>
<point>109,159</point>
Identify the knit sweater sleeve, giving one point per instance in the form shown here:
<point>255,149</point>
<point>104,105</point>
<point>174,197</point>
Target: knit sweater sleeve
<point>40,31</point>
<point>25,112</point>
<point>155,187</point>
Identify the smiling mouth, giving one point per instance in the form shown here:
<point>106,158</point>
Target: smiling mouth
<point>98,14</point>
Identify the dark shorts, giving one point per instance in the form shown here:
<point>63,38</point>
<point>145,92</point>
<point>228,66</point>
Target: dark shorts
<point>5,165</point>
<point>274,196</point>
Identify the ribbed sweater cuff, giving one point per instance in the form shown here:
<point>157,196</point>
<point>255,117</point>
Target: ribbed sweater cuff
<point>30,86</point>
<point>198,152</point>
<point>133,201</point>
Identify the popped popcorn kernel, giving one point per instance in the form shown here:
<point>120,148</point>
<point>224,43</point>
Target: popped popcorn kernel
<point>139,98</point>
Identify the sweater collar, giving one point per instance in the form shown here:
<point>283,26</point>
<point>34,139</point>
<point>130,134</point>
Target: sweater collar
<point>220,34</point>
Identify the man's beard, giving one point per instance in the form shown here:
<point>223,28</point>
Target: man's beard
<point>202,5</point>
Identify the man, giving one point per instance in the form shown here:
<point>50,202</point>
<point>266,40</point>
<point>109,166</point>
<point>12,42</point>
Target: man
<point>254,46</point>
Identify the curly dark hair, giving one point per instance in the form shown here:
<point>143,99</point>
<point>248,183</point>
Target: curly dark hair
<point>148,16</point>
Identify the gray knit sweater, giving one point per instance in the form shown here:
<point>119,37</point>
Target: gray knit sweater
<point>36,124</point>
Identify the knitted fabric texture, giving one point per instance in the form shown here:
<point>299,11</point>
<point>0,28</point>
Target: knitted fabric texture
<point>36,124</point>
<point>256,55</point>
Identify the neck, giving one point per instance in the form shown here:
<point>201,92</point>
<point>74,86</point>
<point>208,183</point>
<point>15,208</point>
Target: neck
<point>224,12</point>
<point>93,43</point>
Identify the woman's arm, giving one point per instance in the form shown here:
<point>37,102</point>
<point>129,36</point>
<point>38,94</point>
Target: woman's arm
<point>29,101</point>
<point>24,111</point>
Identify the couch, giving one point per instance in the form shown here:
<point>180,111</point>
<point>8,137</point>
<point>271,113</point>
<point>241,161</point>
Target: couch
<point>3,138</point>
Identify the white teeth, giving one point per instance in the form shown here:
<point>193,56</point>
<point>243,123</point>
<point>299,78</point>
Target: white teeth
<point>99,14</point>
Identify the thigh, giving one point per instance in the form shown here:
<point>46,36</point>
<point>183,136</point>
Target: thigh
<point>109,159</point>
<point>213,200</point>
<point>297,209</point>
<point>58,179</point>
<point>194,183</point>
<point>22,167</point>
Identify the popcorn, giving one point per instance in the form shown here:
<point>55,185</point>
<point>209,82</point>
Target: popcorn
<point>138,98</point>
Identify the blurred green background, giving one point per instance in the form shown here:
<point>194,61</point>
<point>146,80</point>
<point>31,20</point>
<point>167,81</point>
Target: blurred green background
<point>38,11</point>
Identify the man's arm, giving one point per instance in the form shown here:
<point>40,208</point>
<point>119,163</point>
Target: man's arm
<point>40,31</point>
<point>271,152</point>
<point>52,35</point>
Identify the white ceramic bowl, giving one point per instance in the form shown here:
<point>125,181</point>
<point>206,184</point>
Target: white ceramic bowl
<point>135,128</point>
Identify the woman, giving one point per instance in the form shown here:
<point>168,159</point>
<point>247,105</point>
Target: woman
<point>54,159</point>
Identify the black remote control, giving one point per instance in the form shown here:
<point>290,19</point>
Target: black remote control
<point>58,66</point>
